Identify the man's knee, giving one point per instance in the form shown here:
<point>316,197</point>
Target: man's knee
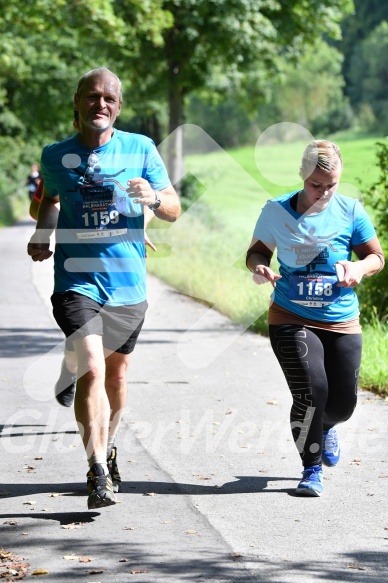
<point>116,368</point>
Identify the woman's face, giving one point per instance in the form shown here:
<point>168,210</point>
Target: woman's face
<point>320,186</point>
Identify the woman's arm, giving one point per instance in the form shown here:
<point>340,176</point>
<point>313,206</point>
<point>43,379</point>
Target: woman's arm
<point>258,262</point>
<point>371,261</point>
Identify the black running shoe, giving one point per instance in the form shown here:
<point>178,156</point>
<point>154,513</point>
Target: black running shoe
<point>65,387</point>
<point>100,488</point>
<point>114,470</point>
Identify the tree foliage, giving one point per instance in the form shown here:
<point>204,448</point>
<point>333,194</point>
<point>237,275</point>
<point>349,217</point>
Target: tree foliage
<point>45,46</point>
<point>311,91</point>
<point>232,35</point>
<point>368,75</point>
<point>357,25</point>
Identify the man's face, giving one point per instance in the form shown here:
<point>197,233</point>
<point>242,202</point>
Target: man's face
<point>99,102</point>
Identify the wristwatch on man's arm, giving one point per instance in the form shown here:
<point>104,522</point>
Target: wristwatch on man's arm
<point>155,205</point>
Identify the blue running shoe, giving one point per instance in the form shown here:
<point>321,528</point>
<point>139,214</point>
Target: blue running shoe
<point>311,483</point>
<point>330,448</point>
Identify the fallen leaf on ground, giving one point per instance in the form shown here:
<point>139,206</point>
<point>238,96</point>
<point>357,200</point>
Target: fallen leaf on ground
<point>11,566</point>
<point>38,458</point>
<point>11,522</point>
<point>136,571</point>
<point>95,571</point>
<point>129,528</point>
<point>273,402</point>
<point>149,494</point>
<point>73,525</point>
<point>71,557</point>
<point>85,559</point>
<point>41,572</point>
<point>236,555</point>
<point>30,502</point>
<point>356,566</point>
<point>124,560</point>
<point>53,495</point>
<point>190,531</point>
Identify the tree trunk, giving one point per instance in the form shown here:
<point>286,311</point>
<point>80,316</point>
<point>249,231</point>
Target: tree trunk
<point>175,141</point>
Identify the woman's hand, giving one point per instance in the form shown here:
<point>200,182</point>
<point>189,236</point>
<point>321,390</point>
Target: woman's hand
<point>353,274</point>
<point>263,274</point>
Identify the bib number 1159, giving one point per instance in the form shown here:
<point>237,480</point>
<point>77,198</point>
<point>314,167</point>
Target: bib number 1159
<point>101,218</point>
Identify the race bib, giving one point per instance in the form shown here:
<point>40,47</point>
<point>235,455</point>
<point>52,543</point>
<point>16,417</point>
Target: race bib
<point>99,214</point>
<point>314,292</point>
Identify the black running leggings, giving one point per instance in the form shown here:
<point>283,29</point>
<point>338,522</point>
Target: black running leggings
<point>321,368</point>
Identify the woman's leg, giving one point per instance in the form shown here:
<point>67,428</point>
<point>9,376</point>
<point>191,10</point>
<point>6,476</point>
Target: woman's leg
<point>342,365</point>
<point>300,353</point>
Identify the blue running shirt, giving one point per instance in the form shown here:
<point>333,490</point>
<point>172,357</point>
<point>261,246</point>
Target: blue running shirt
<point>100,251</point>
<point>308,246</point>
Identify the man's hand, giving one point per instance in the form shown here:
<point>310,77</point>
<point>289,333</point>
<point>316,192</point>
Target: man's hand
<point>39,251</point>
<point>140,190</point>
<point>148,242</point>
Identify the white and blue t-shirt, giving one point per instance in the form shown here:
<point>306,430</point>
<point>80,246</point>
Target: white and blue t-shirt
<point>100,250</point>
<point>308,246</point>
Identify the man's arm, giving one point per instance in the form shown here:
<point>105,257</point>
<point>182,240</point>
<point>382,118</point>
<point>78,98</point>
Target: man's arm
<point>141,191</point>
<point>39,246</point>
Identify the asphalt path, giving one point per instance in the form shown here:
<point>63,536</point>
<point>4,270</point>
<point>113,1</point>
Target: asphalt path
<point>205,452</point>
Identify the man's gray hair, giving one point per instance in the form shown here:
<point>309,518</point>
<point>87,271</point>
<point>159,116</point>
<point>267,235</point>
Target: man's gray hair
<point>96,73</point>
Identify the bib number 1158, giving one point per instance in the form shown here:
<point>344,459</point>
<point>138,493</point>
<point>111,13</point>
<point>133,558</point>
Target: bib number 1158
<point>314,292</point>
<point>314,288</point>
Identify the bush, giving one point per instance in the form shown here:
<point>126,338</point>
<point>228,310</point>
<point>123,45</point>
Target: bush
<point>373,293</point>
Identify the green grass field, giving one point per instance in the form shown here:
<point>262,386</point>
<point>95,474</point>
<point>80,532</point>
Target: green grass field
<point>203,254</point>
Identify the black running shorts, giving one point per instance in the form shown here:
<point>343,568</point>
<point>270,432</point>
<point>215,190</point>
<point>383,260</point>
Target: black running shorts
<point>79,316</point>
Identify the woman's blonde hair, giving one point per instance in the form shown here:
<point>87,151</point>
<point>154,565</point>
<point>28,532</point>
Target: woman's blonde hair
<point>319,154</point>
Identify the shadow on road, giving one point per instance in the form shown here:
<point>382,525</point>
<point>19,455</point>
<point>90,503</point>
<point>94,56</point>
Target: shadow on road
<point>243,485</point>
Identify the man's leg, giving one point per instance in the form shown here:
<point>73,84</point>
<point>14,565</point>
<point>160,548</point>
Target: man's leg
<point>92,413</point>
<point>91,405</point>
<point>65,385</point>
<point>116,389</point>
<point>71,360</point>
<point>122,325</point>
